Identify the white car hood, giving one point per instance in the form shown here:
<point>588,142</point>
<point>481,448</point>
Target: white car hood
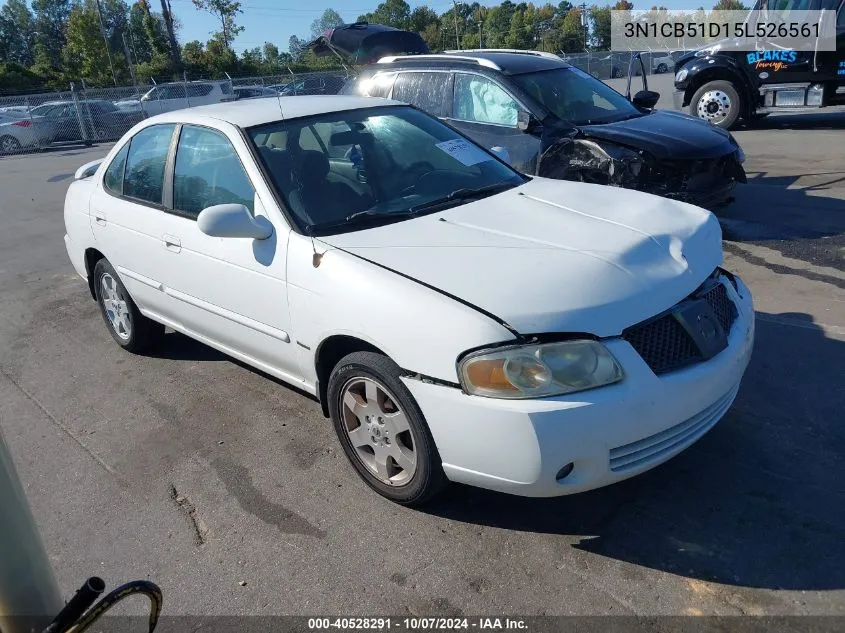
<point>554,256</point>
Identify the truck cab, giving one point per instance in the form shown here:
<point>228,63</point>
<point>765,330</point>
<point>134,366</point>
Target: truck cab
<point>724,82</point>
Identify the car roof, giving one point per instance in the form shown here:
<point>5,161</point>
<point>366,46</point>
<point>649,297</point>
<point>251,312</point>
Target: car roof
<point>508,62</point>
<point>259,111</point>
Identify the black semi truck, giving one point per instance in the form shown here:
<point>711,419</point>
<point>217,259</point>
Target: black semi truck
<point>724,82</point>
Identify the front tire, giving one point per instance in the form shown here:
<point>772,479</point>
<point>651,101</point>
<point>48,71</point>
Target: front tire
<point>718,102</point>
<point>128,327</point>
<point>382,430</point>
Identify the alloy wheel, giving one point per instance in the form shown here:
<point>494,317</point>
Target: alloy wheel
<point>116,307</point>
<point>379,431</point>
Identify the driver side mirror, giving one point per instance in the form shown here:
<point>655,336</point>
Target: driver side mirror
<point>525,121</point>
<point>646,99</point>
<point>233,220</point>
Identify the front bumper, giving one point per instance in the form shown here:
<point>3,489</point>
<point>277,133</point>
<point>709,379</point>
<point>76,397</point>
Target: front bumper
<point>609,434</point>
<point>678,99</point>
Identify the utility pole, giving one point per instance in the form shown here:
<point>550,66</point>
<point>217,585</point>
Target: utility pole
<point>129,60</point>
<point>167,13</point>
<point>106,42</point>
<point>585,24</point>
<point>457,38</point>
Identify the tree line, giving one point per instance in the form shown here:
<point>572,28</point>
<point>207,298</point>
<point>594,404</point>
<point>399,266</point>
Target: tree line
<point>112,42</point>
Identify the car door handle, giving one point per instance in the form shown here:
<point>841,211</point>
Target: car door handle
<point>100,218</point>
<point>172,243</point>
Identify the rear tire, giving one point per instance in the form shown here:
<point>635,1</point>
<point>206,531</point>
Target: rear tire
<point>662,68</point>
<point>718,102</point>
<point>382,430</point>
<point>9,145</point>
<point>128,327</point>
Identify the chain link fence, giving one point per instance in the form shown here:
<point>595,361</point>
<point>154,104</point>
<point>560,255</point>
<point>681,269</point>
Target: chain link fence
<point>608,65</point>
<point>85,115</point>
<point>82,114</point>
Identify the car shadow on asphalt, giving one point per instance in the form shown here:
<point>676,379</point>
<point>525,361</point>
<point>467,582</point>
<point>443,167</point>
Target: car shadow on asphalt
<point>801,216</point>
<point>759,501</point>
<point>810,121</point>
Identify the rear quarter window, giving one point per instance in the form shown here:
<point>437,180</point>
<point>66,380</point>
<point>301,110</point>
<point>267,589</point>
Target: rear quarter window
<point>113,180</point>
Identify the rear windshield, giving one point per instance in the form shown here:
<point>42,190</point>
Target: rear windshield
<point>574,96</point>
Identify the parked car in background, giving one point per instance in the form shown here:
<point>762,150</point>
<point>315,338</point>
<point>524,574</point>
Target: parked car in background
<point>59,121</point>
<point>662,64</point>
<point>252,92</point>
<point>591,336</point>
<point>22,133</point>
<point>175,96</point>
<point>322,84</point>
<point>552,119</point>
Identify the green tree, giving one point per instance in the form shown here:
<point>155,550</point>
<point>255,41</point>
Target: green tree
<point>85,54</point>
<point>729,5</point>
<point>395,13</point>
<point>329,20</point>
<point>51,18</point>
<point>296,47</point>
<point>517,37</point>
<point>194,59</point>
<point>14,77</point>
<point>421,18</point>
<point>573,35</point>
<point>600,17</point>
<point>221,58</point>
<point>227,12</point>
<point>17,33</point>
<point>623,5</point>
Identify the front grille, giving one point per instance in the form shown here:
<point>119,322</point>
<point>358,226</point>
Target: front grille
<point>722,305</point>
<point>706,183</point>
<point>666,346</point>
<point>661,445</point>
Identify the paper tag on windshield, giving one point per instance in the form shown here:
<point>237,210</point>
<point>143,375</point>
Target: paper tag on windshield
<point>464,152</point>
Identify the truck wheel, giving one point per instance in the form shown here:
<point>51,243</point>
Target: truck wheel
<point>718,102</point>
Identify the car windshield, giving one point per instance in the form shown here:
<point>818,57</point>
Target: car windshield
<point>576,97</point>
<point>343,171</point>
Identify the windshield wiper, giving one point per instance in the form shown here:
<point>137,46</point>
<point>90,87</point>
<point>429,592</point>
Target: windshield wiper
<point>376,216</point>
<point>361,217</point>
<point>465,193</point>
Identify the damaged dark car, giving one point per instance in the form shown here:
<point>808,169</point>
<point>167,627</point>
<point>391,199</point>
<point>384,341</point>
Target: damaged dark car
<point>548,118</point>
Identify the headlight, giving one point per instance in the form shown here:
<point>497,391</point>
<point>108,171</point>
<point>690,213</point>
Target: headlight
<point>707,52</point>
<point>536,371</point>
<point>681,75</point>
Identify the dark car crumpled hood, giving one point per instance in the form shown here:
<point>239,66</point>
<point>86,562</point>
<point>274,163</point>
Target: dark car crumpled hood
<point>665,135</point>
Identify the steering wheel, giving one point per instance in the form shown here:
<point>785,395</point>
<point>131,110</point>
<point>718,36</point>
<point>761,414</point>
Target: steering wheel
<point>417,172</point>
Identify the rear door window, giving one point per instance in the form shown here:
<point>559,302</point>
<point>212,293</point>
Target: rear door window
<point>427,91</point>
<point>145,163</point>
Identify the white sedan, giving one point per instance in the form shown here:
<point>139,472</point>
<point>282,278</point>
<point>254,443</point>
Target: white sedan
<point>458,321</point>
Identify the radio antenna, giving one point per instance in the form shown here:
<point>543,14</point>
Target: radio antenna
<point>279,101</point>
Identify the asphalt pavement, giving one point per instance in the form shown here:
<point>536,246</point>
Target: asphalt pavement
<point>229,489</point>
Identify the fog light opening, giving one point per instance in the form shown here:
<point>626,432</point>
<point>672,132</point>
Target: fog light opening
<point>564,472</point>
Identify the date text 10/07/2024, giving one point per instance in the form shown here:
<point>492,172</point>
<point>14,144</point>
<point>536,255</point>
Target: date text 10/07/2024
<point>721,29</point>
<point>417,624</point>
